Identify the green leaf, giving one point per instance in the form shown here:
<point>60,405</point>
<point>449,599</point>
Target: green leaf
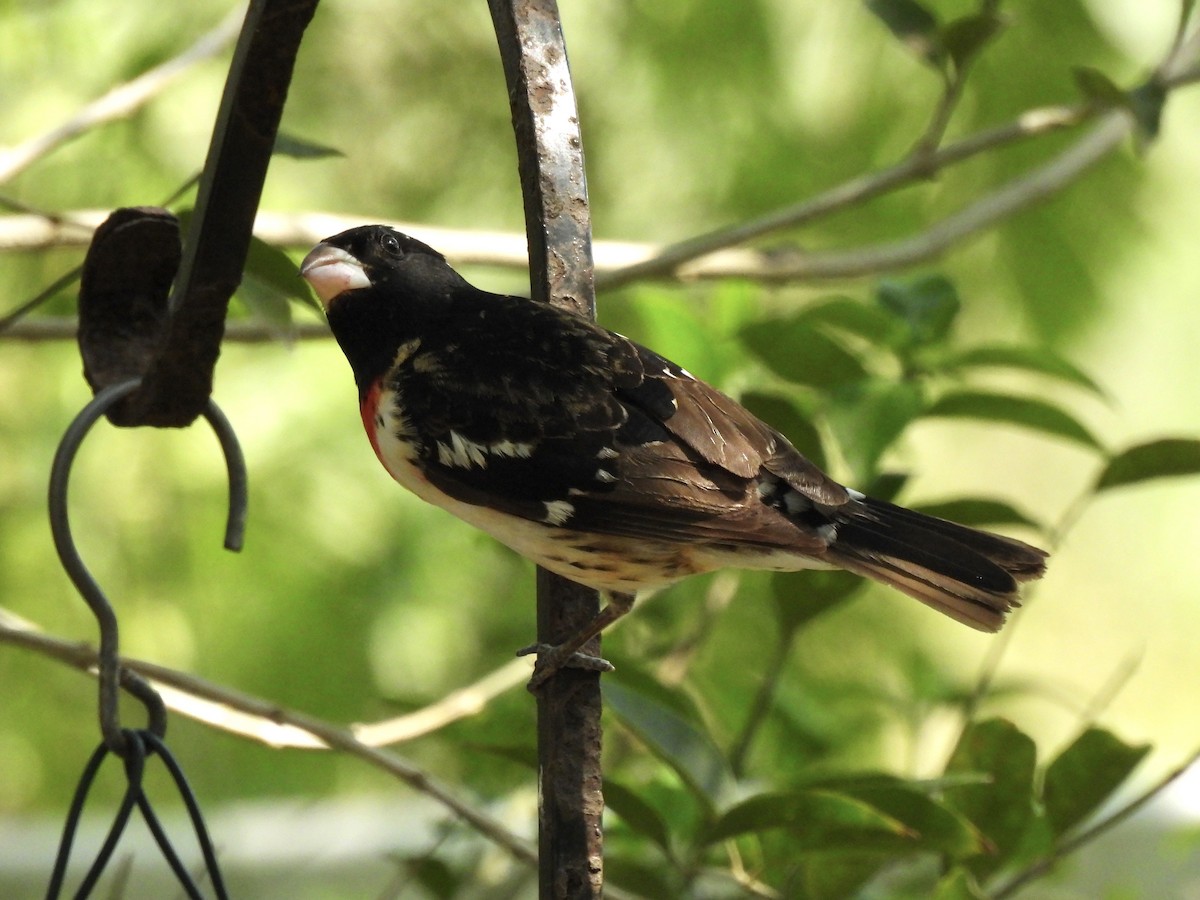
<point>1027,412</point>
<point>270,283</point>
<point>1098,87</point>
<point>1002,809</point>
<point>641,877</point>
<point>958,884</point>
<point>676,739</point>
<point>966,37</point>
<point>1165,458</point>
<point>1147,102</point>
<point>867,418</point>
<point>886,485</point>
<point>802,596</point>
<point>927,305</point>
<point>639,815</point>
<point>1086,774</point>
<point>1029,359</point>
<point>1185,12</point>
<point>785,417</point>
<point>977,512</point>
<point>860,319</point>
<point>801,353</point>
<point>267,306</point>
<point>522,754</point>
<point>829,876</point>
<point>913,24</point>
<point>817,819</point>
<point>435,876</point>
<point>297,148</point>
<point>935,825</point>
<point>275,271</point>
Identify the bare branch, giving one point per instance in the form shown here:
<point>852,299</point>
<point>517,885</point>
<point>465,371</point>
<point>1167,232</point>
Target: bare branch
<point>267,723</point>
<point>122,100</point>
<point>65,328</point>
<point>1019,194</point>
<point>32,231</point>
<point>459,704</point>
<point>914,169</point>
<point>248,716</point>
<point>1179,69</point>
<point>1180,66</point>
<point>708,256</point>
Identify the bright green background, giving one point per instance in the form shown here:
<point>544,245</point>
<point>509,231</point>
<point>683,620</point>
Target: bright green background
<point>353,601</point>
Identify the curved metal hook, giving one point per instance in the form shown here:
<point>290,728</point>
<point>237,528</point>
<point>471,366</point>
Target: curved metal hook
<point>112,676</point>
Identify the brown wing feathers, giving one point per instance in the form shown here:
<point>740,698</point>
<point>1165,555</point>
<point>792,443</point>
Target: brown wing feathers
<point>967,574</point>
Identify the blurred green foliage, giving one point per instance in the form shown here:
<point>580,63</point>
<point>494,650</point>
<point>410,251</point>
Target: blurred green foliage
<point>795,732</point>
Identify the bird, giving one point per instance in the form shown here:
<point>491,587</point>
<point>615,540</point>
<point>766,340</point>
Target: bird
<point>605,462</point>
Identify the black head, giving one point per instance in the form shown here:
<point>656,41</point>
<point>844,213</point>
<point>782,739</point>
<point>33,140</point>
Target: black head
<point>380,288</point>
<point>373,256</point>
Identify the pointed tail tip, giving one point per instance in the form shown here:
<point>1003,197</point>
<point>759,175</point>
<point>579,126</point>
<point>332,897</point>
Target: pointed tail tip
<point>971,576</point>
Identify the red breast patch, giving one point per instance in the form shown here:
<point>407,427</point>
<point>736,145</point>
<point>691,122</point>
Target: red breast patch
<point>370,414</point>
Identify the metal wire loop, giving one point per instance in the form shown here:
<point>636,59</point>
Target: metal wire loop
<point>112,676</point>
<point>138,746</point>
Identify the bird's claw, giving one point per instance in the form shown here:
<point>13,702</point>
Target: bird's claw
<point>551,658</point>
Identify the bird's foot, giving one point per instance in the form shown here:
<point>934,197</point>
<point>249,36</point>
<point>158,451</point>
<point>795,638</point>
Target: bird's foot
<point>551,658</point>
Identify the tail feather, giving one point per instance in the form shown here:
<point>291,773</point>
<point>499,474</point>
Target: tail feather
<point>970,575</point>
<point>1023,561</point>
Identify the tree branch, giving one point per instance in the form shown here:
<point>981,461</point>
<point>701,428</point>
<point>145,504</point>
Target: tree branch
<point>122,100</point>
<point>268,723</point>
<point>259,720</point>
<point>912,170</point>
<point>617,262</point>
<point>65,328</point>
<point>1179,69</point>
<point>1017,195</point>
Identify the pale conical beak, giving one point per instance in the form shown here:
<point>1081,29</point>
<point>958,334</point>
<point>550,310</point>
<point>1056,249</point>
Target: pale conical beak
<point>332,271</point>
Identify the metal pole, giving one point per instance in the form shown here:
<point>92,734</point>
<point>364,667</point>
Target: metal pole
<point>558,225</point>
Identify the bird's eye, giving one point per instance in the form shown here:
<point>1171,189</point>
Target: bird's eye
<point>390,244</point>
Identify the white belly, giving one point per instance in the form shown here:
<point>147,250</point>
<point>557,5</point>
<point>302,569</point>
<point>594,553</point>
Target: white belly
<point>604,562</point>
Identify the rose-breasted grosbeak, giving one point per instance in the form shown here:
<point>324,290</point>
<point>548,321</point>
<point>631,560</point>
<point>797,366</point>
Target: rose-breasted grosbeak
<point>604,462</point>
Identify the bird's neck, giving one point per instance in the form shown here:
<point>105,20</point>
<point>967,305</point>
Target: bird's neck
<point>370,329</point>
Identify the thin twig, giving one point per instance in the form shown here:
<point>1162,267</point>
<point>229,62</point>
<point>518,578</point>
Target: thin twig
<point>122,100</point>
<point>764,697</point>
<point>858,190</point>
<point>998,646</point>
<point>277,724</point>
<point>1178,70</point>
<point>935,131</point>
<point>1116,682</point>
<point>617,262</point>
<point>64,328</point>
<point>10,320</point>
<point>1041,183</point>
<point>32,231</point>
<point>263,721</point>
<point>1066,848</point>
<point>1180,66</point>
<point>1011,198</point>
<point>251,717</point>
<point>672,669</point>
<point>459,704</point>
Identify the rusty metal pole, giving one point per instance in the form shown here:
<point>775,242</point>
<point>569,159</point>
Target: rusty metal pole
<point>558,225</point>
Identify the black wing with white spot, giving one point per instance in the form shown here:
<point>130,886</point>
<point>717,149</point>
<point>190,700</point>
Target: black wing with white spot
<point>553,419</point>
